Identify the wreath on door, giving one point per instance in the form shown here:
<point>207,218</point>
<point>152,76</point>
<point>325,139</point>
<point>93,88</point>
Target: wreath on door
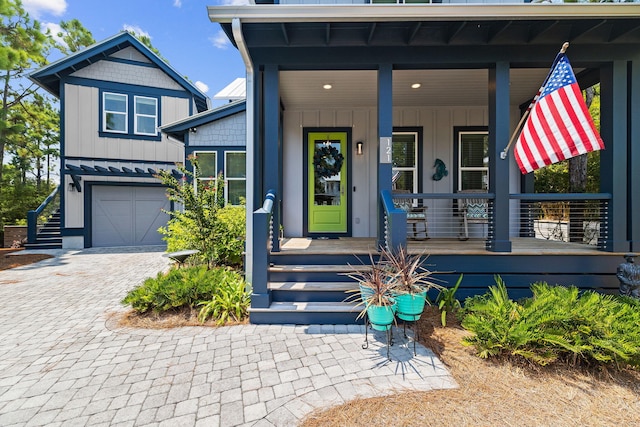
<point>327,161</point>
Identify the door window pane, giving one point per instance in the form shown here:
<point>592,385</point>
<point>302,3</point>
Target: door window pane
<point>327,164</point>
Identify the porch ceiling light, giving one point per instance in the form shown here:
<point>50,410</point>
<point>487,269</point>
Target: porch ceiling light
<point>415,85</point>
<point>327,86</point>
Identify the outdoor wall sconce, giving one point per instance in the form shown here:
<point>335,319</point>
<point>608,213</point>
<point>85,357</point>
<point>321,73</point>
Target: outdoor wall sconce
<point>359,148</point>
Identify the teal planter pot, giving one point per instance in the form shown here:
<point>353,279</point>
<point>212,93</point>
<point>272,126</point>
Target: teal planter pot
<point>381,316</point>
<point>410,306</point>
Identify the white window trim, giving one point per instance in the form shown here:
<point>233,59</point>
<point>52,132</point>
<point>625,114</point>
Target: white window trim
<point>136,115</point>
<point>105,111</point>
<point>227,179</point>
<point>414,169</point>
<point>469,168</point>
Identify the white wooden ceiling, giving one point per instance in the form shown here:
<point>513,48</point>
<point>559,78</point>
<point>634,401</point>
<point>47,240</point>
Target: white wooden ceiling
<point>303,89</point>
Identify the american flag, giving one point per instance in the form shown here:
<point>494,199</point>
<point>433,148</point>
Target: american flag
<point>559,126</point>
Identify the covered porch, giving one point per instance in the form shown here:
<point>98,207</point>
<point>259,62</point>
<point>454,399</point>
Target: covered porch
<point>339,78</point>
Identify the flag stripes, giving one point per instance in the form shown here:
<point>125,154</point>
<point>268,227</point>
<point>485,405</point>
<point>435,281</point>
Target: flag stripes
<point>559,125</point>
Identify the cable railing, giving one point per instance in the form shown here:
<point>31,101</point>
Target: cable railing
<point>535,221</point>
<point>576,218</point>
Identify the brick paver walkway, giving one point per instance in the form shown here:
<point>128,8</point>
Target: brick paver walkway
<point>64,362</point>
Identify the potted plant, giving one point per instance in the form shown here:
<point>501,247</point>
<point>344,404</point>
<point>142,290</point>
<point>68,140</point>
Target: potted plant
<point>375,295</point>
<point>411,282</point>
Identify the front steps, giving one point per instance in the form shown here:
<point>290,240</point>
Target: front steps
<point>306,294</point>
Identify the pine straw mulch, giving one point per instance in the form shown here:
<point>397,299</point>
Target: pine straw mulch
<point>497,393</point>
<point>13,261</point>
<point>166,320</point>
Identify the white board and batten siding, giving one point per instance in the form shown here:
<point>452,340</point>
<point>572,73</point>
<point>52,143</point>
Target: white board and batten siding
<point>82,127</point>
<point>438,133</point>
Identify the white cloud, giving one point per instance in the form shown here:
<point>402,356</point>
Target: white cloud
<point>55,29</point>
<point>39,7</point>
<point>177,3</point>
<point>220,40</point>
<point>134,28</point>
<point>235,2</point>
<point>202,86</point>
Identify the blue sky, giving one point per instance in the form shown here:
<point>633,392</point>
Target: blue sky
<point>179,29</point>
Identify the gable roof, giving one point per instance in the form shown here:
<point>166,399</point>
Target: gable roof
<point>180,128</point>
<point>49,76</point>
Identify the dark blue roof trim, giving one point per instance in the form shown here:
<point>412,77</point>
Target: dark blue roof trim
<point>49,76</point>
<point>182,127</point>
<point>74,171</point>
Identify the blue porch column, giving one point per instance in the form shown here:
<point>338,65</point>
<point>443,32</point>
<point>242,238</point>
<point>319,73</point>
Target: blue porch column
<point>499,127</point>
<point>634,154</point>
<point>385,133</point>
<point>613,159</point>
<point>272,167</point>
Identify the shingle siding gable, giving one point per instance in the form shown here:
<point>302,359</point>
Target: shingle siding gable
<point>128,74</point>
<point>230,131</point>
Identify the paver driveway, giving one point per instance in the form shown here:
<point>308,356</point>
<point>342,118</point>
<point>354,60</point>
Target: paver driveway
<point>63,361</point>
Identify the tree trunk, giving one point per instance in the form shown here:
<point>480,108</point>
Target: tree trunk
<point>578,184</point>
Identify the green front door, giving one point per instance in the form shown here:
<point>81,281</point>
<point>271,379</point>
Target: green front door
<point>327,182</point>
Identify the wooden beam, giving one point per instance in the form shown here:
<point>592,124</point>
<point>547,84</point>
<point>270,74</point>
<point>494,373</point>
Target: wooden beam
<point>285,34</point>
<point>458,28</point>
<point>619,30</point>
<point>497,29</point>
<point>575,33</point>
<point>327,36</point>
<point>413,32</point>
<point>372,30</point>
<point>540,30</point>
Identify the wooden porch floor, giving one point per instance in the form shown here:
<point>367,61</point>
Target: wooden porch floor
<point>361,245</point>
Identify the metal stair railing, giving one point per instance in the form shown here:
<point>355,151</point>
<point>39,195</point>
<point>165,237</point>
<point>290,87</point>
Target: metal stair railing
<point>38,217</point>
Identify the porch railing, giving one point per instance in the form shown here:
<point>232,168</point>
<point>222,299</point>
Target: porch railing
<point>395,222</point>
<point>263,236</point>
<point>38,217</point>
<point>576,218</point>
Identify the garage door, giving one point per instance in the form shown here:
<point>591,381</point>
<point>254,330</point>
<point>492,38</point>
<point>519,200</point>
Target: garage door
<point>127,216</point>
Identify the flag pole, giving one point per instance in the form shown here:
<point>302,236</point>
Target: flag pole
<point>516,132</point>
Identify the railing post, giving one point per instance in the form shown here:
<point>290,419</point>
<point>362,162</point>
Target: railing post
<point>32,226</point>
<point>260,296</point>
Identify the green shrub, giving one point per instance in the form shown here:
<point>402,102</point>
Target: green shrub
<point>230,302</point>
<point>221,292</point>
<point>557,323</point>
<point>230,232</point>
<point>179,288</point>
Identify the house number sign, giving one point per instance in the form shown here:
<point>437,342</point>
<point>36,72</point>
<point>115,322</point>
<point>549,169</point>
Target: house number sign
<point>385,149</point>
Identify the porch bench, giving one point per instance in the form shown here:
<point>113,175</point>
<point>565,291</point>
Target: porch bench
<point>472,210</point>
<point>415,215</point>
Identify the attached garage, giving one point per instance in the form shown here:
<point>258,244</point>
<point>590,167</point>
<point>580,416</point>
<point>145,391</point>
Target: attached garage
<point>127,215</point>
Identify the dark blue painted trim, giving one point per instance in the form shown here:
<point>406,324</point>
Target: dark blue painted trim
<point>385,129</point>
<point>130,117</point>
<point>130,62</point>
<point>127,88</point>
<point>63,184</point>
<point>633,162</point>
<point>499,131</point>
<point>272,146</point>
<point>88,194</point>
<point>305,180</point>
<point>106,159</point>
<point>49,76</point>
<point>613,129</point>
<point>73,232</point>
<point>181,129</point>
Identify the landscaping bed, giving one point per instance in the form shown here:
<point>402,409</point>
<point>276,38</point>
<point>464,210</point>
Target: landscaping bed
<point>7,262</point>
